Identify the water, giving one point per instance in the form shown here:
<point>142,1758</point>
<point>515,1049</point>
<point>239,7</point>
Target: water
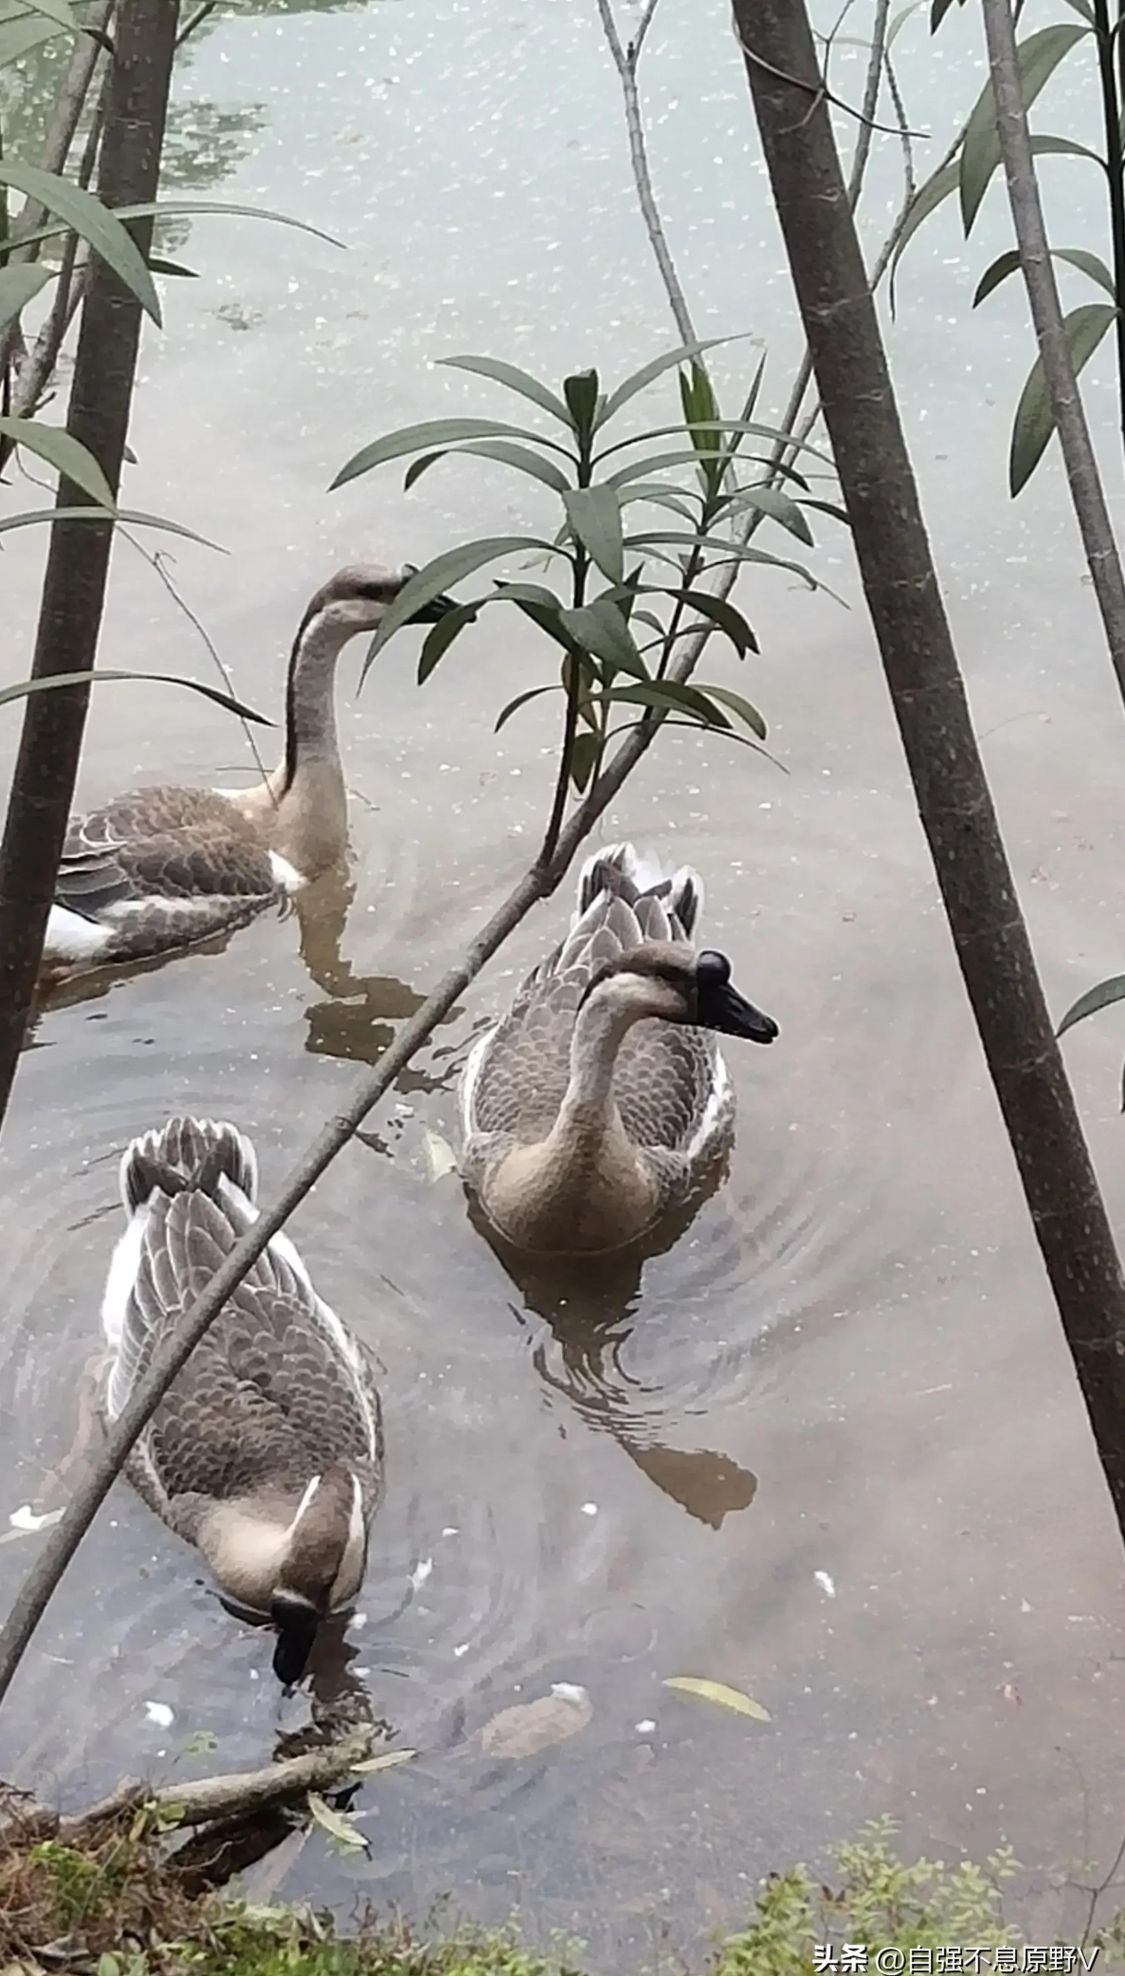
<point>828,1446</point>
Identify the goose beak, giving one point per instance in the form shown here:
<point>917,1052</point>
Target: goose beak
<point>296,1631</point>
<point>731,1014</point>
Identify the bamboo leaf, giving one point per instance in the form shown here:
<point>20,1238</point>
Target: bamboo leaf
<point>732,551</point>
<point>85,215</point>
<point>117,516</point>
<point>520,457</point>
<point>726,616</point>
<point>175,208</point>
<point>671,695</point>
<point>515,380</point>
<point>18,285</point>
<point>655,369</point>
<point>1034,422</point>
<point>780,507</point>
<point>738,704</point>
<point>338,1826</point>
<point>440,637</point>
<point>23,687</point>
<point>1102,997</point>
<point>828,508</point>
<point>1038,56</point>
<point>521,700</point>
<point>928,196</point>
<point>67,455</point>
<point>1006,264</point>
<point>717,426</point>
<point>594,514</point>
<point>655,464</point>
<point>431,432</point>
<point>431,581</point>
<point>718,1692</point>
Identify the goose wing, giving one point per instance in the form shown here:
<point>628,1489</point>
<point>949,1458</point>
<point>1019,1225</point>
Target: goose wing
<point>164,844</point>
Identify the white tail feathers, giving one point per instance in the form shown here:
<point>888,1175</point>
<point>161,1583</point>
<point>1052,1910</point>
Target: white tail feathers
<point>620,869</point>
<point>190,1152</point>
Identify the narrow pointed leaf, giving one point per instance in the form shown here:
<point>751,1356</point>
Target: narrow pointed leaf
<point>670,694</point>
<point>601,628</point>
<point>18,285</point>
<point>725,616</point>
<point>780,508</point>
<point>415,438</point>
<point>101,229</point>
<point>516,380</point>
<point>938,11</point>
<point>159,266</point>
<point>522,700</point>
<point>720,1693</point>
<point>118,516</point>
<point>583,394</point>
<point>731,551</point>
<point>66,454</point>
<point>338,1826</point>
<point>827,508</point>
<point>23,687</point>
<point>19,38</point>
<point>656,463</point>
<point>738,704</point>
<point>390,1759</point>
<point>1006,264</point>
<point>660,497</point>
<point>1038,55</point>
<point>440,637</point>
<point>1102,997</point>
<point>655,369</point>
<point>594,514</point>
<point>520,457</point>
<point>436,576</point>
<point>928,196</point>
<point>1035,419</point>
<point>718,427</point>
<point>584,753</point>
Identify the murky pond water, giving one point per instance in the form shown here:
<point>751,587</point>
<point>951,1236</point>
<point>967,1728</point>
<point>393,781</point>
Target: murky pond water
<point>828,1446</point>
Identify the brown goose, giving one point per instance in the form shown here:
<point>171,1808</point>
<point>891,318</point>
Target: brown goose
<point>601,1097</point>
<point>162,868</point>
<point>267,1453</point>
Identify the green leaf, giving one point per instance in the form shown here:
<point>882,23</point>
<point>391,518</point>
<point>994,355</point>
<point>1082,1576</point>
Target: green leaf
<point>1102,997</point>
<point>655,369</point>
<point>436,576</point>
<point>725,615</point>
<point>520,457</point>
<point>938,11</point>
<point>120,517</point>
<point>717,426</point>
<point>21,37</point>
<point>440,637</point>
<point>66,454</point>
<point>1038,56</point>
<point>108,1965</point>
<point>899,21</point>
<point>738,704</point>
<point>669,695</point>
<point>338,1826</point>
<point>1006,264</point>
<point>718,1692</point>
<point>1034,422</point>
<point>601,629</point>
<point>771,501</point>
<point>18,284</point>
<point>431,432</point>
<point>732,551</point>
<point>390,1759</point>
<point>659,496</point>
<point>656,463</point>
<point>200,208</point>
<point>928,196</point>
<point>701,408</point>
<point>515,380</point>
<point>521,700</point>
<point>827,508</point>
<point>583,395</point>
<point>101,229</point>
<point>585,751</point>
<point>54,680</point>
<point>594,513</point>
<point>159,266</point>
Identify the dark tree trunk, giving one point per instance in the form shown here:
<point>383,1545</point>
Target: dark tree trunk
<point>70,615</point>
<point>926,688</point>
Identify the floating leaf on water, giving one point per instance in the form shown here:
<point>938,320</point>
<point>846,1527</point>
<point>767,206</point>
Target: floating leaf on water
<point>339,1827</point>
<point>718,1691</point>
<point>439,1156</point>
<point>387,1761</point>
<point>24,1518</point>
<point>532,1726</point>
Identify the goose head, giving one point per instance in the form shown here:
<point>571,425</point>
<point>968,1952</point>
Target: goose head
<point>358,597</point>
<point>321,1568</point>
<point>669,980</point>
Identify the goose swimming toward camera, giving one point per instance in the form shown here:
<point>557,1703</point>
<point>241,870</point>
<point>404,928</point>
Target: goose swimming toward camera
<point>267,1452</point>
<point>163,868</point>
<point>601,1097</point>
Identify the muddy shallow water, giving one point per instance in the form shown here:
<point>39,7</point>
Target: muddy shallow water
<point>828,1446</point>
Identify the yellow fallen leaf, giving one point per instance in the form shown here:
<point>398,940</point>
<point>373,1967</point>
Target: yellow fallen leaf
<point>385,1762</point>
<point>717,1691</point>
<point>341,1832</point>
<point>439,1156</point>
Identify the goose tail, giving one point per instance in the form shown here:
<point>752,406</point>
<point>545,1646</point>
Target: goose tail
<point>623,872</point>
<point>187,1154</point>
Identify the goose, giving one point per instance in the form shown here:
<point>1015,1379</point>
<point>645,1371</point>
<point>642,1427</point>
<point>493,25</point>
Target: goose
<point>601,1097</point>
<point>162,868</point>
<point>267,1452</point>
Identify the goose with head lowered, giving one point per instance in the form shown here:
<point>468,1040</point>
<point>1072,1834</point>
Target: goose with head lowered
<point>266,1453</point>
<point>601,1098</point>
<point>163,868</point>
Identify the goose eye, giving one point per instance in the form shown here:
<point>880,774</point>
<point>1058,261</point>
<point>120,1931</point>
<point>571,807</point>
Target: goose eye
<point>712,970</point>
